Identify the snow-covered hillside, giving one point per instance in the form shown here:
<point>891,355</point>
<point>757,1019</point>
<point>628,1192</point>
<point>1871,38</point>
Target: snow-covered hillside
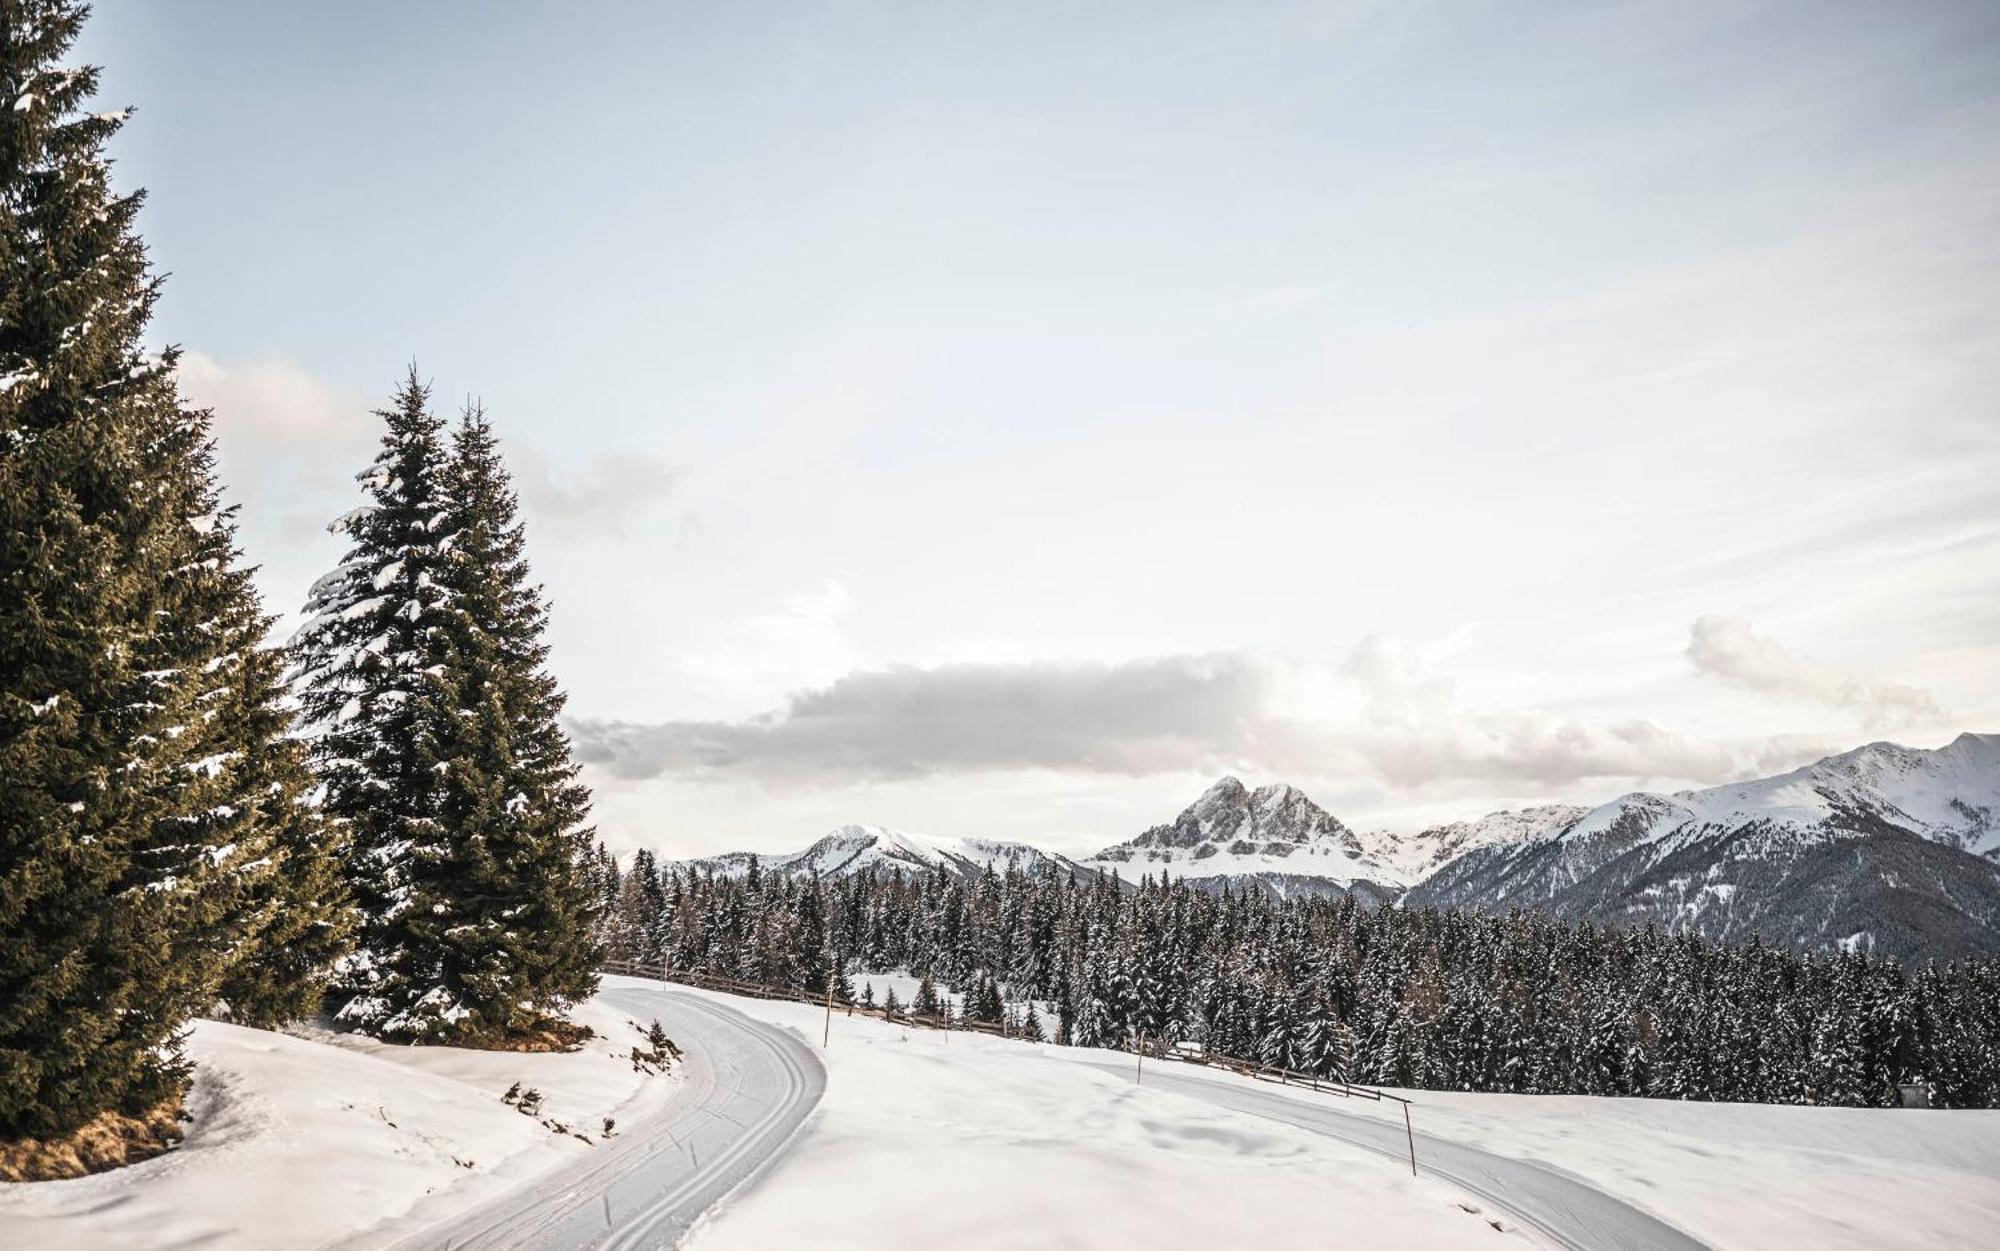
<point>923,1139</point>
<point>878,849</point>
<point>318,1140</point>
<point>1950,796</point>
<point>1883,848</point>
<point>1419,855</point>
<point>1274,837</point>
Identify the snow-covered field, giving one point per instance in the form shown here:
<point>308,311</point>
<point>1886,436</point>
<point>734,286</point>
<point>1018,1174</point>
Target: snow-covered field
<point>1741,1175</point>
<point>332,1140</point>
<point>926,1139</point>
<point>969,1141</point>
<point>962,1140</point>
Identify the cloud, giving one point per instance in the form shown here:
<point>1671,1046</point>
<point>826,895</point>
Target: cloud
<point>1536,750</point>
<point>273,419</point>
<point>1145,716</point>
<point>603,495</point>
<point>279,430</point>
<point>1209,712</point>
<point>1412,734</point>
<point>1730,649</point>
<point>287,447</point>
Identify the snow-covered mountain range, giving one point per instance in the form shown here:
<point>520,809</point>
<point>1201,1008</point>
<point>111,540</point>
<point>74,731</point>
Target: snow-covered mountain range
<point>1883,848</point>
<point>878,849</point>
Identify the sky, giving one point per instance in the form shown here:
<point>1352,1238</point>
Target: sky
<point>1000,421</point>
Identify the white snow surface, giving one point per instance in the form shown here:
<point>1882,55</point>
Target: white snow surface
<point>1419,855</point>
<point>927,1140</point>
<point>1743,1175</point>
<point>336,1140</point>
<point>967,1141</point>
<point>1317,859</point>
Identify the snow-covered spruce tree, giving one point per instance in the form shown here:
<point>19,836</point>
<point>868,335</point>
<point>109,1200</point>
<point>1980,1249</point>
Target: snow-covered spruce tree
<point>927,1002</point>
<point>150,823</point>
<point>365,667</point>
<point>496,938</point>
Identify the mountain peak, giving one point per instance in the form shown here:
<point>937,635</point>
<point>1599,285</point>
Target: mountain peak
<point>1231,830</point>
<point>1228,787</point>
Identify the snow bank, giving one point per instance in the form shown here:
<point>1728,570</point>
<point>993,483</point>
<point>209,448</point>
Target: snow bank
<point>335,1140</point>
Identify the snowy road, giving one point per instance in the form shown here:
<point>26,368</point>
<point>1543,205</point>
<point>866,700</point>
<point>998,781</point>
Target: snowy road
<point>748,1085</point>
<point>1564,1210</point>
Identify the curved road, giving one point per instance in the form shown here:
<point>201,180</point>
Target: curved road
<point>1566,1210</point>
<point>747,1087</point>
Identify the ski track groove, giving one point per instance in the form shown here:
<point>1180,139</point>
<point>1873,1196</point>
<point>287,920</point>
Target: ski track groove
<point>650,1190</point>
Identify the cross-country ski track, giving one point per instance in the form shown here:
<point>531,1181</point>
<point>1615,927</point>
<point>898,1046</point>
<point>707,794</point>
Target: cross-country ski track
<point>747,1087</point>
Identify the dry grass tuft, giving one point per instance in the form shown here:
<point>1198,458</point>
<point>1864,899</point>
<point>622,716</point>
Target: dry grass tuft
<point>111,1140</point>
<point>548,1034</point>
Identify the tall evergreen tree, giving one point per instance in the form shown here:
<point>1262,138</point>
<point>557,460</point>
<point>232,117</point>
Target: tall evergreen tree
<point>496,933</point>
<point>152,824</point>
<point>366,667</point>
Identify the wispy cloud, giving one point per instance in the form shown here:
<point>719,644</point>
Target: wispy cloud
<point>1413,734</point>
<point>1388,721</point>
<point>1731,649</point>
<point>280,432</point>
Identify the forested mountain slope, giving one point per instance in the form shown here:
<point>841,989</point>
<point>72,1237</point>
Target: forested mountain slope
<point>1883,848</point>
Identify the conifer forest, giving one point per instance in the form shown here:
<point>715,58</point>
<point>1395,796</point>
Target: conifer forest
<point>1426,999</point>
